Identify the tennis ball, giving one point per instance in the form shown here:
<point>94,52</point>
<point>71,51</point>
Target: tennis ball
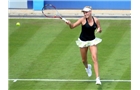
<point>18,24</point>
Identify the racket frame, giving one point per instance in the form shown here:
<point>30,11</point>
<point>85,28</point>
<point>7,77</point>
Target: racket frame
<point>58,14</point>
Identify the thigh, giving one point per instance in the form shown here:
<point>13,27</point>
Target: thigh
<point>83,52</point>
<point>93,50</point>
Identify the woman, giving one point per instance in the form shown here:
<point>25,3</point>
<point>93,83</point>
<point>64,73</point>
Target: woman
<point>87,40</point>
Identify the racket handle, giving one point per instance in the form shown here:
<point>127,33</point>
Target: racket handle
<point>64,20</point>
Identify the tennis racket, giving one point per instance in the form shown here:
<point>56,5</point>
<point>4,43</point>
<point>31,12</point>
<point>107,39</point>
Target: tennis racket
<point>50,11</point>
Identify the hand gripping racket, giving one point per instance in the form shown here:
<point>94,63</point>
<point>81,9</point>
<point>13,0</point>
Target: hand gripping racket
<point>50,11</point>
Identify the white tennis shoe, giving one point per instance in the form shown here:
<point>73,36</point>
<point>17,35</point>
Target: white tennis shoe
<point>98,82</point>
<point>88,70</point>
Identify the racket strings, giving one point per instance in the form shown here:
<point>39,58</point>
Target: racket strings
<point>50,11</point>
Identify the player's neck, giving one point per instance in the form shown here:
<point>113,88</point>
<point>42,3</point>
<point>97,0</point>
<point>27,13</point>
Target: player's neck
<point>89,18</point>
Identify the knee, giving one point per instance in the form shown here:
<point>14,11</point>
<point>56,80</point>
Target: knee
<point>83,60</point>
<point>94,58</point>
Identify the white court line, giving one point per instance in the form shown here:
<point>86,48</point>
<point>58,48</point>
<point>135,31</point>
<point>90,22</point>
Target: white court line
<point>67,80</point>
<point>67,18</point>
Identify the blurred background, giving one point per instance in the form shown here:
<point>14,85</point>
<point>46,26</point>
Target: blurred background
<point>71,8</point>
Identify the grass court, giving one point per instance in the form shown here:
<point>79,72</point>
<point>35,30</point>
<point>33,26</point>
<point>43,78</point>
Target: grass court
<point>43,55</point>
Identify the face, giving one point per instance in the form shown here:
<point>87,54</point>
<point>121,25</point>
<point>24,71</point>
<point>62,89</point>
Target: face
<point>87,14</point>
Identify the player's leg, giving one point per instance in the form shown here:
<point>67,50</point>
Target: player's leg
<point>83,52</point>
<point>85,62</point>
<point>93,50</point>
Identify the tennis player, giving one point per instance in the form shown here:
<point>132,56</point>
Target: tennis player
<point>87,40</point>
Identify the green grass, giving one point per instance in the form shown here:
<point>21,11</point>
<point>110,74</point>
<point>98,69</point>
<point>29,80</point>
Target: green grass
<point>46,49</point>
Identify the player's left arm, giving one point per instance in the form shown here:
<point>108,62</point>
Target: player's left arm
<point>98,25</point>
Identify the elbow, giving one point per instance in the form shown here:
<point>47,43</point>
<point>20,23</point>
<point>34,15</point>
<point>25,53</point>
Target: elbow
<point>71,27</point>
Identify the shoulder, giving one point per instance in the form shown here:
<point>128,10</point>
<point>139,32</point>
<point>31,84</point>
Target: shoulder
<point>82,18</point>
<point>96,19</point>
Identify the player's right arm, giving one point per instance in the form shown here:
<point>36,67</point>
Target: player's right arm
<point>73,25</point>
